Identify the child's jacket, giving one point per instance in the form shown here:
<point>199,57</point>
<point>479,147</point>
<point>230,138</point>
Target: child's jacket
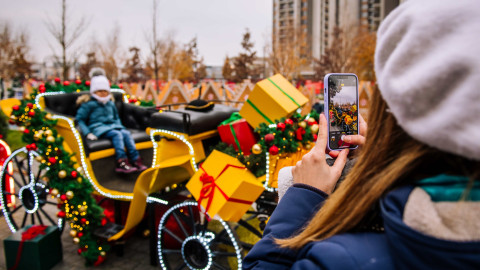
<point>97,118</point>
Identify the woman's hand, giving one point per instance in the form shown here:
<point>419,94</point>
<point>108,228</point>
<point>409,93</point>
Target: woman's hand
<point>354,139</point>
<point>313,169</point>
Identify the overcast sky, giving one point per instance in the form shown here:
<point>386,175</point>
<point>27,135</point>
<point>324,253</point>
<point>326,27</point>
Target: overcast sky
<point>346,95</point>
<point>217,24</point>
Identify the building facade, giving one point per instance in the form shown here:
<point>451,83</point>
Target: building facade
<point>318,18</point>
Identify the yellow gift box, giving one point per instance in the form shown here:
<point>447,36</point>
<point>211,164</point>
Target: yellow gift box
<point>224,187</point>
<point>271,99</point>
<point>277,162</point>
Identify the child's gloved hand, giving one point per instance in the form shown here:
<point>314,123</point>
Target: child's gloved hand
<point>92,137</point>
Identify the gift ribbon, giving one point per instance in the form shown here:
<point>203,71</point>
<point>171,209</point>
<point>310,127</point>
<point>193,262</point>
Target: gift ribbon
<point>256,109</point>
<point>233,117</point>
<point>294,101</point>
<point>208,189</point>
<point>29,234</point>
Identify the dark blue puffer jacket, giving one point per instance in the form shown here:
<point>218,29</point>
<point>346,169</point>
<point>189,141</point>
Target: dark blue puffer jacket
<point>399,247</point>
<point>97,118</point>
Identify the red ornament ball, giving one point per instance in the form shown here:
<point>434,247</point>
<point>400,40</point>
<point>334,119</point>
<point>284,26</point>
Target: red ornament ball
<point>31,146</point>
<point>87,83</point>
<point>31,113</point>
<point>42,88</point>
<point>83,220</point>
<point>57,80</point>
<point>289,121</point>
<point>273,150</point>
<point>281,126</point>
<point>52,160</point>
<point>315,137</point>
<point>30,105</point>
<point>80,234</point>
<point>15,107</point>
<point>61,214</point>
<point>120,85</point>
<point>63,197</point>
<point>66,83</point>
<point>78,81</point>
<point>269,138</point>
<point>74,174</point>
<point>26,131</point>
<point>79,251</point>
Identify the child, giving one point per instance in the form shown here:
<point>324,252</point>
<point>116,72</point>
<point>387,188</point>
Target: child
<point>98,118</point>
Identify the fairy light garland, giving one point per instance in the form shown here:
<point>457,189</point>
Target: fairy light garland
<point>203,239</point>
<point>179,137</point>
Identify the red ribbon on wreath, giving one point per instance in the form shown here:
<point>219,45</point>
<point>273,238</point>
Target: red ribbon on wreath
<point>209,186</point>
<point>29,234</point>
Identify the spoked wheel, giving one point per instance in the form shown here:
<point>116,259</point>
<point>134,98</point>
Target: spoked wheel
<point>25,196</point>
<point>186,240</point>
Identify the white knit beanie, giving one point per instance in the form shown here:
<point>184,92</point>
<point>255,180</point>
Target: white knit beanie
<point>427,64</point>
<point>99,82</point>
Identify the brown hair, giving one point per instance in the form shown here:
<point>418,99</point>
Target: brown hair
<point>389,158</point>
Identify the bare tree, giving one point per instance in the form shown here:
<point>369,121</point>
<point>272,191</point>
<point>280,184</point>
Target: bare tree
<point>88,65</point>
<point>227,70</point>
<point>15,62</point>
<point>288,51</point>
<point>66,35</point>
<point>154,45</point>
<point>111,54</point>
<point>349,51</point>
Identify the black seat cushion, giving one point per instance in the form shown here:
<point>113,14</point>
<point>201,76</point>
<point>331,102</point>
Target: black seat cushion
<point>191,122</point>
<point>102,144</point>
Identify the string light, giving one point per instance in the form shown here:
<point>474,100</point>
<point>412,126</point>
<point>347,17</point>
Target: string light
<point>204,239</point>
<point>177,136</point>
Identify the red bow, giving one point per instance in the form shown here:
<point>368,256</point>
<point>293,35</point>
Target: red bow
<point>208,189</point>
<point>29,234</point>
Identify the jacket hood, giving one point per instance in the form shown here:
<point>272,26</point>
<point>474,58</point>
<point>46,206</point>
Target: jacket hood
<point>415,250</point>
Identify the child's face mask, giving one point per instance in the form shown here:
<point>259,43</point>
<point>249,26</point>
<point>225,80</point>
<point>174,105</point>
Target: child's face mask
<point>102,96</point>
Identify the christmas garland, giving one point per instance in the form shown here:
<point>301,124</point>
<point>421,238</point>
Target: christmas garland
<point>72,190</point>
<point>287,135</point>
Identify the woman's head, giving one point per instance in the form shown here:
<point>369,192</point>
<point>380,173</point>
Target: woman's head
<point>420,117</point>
<point>427,63</point>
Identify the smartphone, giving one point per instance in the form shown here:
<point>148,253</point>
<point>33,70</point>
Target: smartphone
<point>341,99</point>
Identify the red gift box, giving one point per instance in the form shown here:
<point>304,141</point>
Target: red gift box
<point>239,134</point>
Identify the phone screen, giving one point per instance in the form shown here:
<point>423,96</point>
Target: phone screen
<point>342,109</point>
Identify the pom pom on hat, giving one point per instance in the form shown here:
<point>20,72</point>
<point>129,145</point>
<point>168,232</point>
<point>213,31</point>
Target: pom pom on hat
<point>427,63</point>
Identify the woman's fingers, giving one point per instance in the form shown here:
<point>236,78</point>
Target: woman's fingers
<point>354,139</point>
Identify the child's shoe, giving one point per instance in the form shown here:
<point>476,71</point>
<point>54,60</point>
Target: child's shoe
<point>139,165</point>
<point>123,166</point>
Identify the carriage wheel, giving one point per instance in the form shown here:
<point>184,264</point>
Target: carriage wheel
<point>185,242</point>
<point>25,196</point>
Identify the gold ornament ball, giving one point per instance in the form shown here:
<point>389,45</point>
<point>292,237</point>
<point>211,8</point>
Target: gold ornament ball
<point>21,129</point>
<point>48,116</point>
<point>76,240</point>
<point>45,179</point>
<point>37,136</point>
<point>311,120</point>
<point>302,124</point>
<point>82,209</point>
<point>40,132</point>
<point>79,180</point>
<point>13,117</point>
<point>314,128</point>
<point>69,194</point>
<point>73,233</point>
<point>48,132</point>
<point>54,192</point>
<point>50,139</point>
<point>39,158</point>
<point>146,233</point>
<point>79,169</point>
<point>103,253</point>
<point>256,149</point>
<point>62,174</point>
<point>308,146</point>
<point>138,103</point>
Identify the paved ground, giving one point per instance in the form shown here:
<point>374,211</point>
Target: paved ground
<point>136,254</point>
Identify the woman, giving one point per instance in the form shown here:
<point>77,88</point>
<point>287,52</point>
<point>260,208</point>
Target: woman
<point>411,199</point>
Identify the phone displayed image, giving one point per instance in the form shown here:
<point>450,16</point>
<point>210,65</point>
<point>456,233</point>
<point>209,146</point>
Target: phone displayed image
<point>341,99</point>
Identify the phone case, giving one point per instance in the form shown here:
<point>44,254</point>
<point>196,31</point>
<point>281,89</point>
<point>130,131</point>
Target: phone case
<point>329,117</point>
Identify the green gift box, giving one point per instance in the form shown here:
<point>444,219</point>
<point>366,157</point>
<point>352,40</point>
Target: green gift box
<point>41,252</point>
